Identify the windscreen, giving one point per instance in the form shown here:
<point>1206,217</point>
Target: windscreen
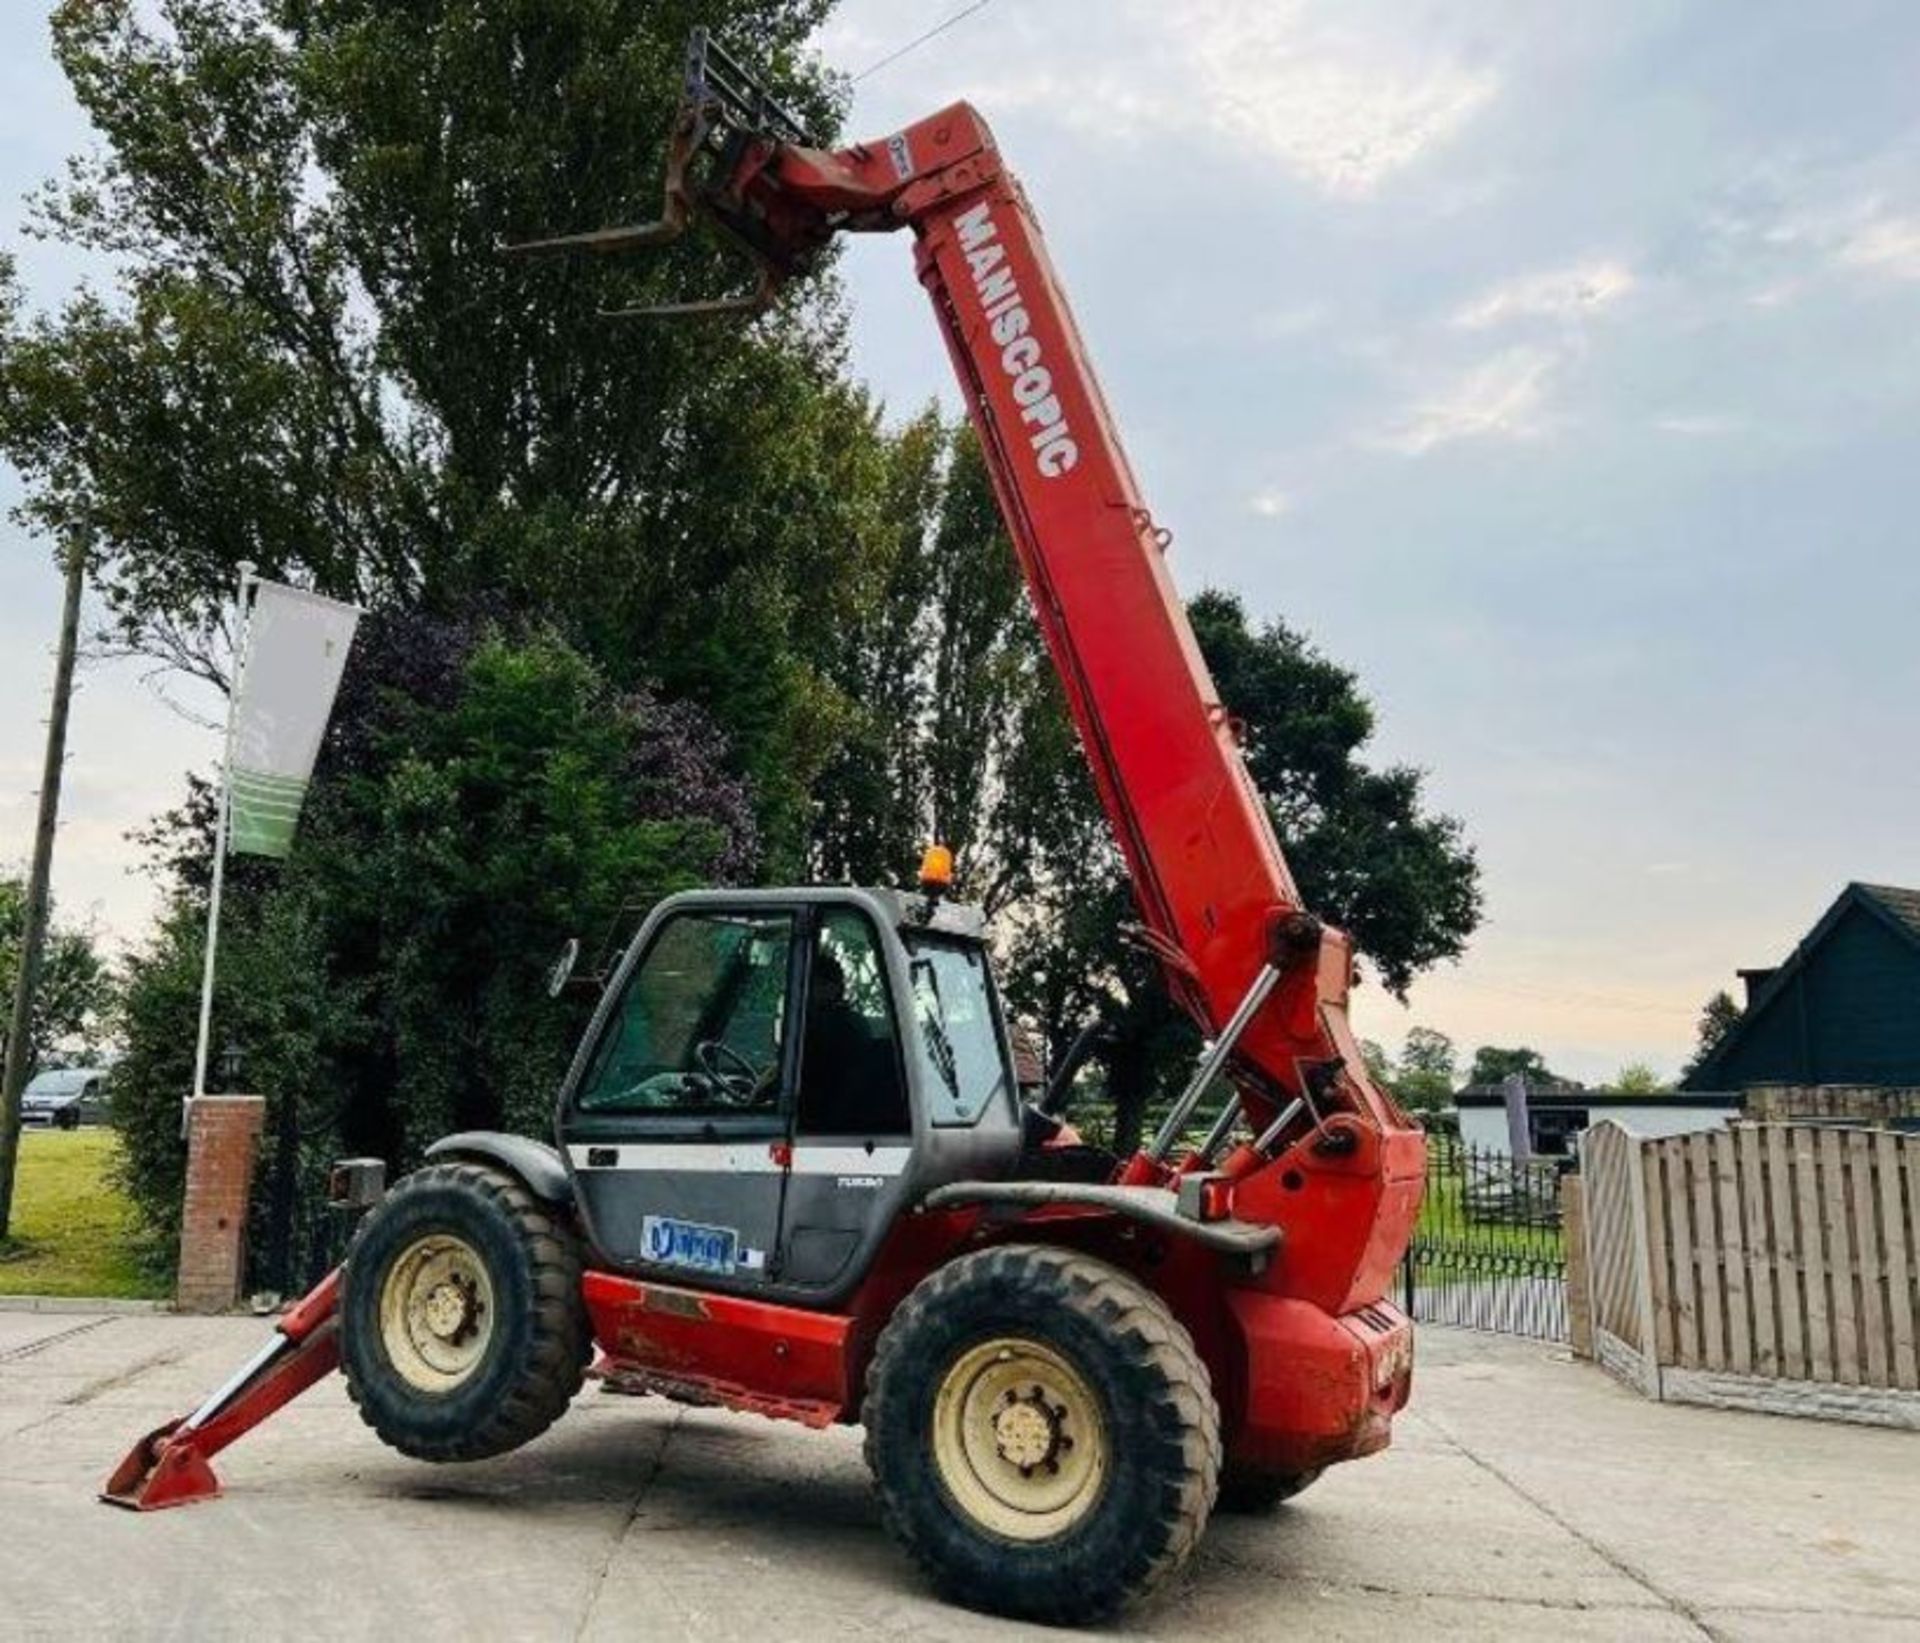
<point>698,1028</point>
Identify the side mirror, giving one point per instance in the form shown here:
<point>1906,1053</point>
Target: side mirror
<point>562,970</point>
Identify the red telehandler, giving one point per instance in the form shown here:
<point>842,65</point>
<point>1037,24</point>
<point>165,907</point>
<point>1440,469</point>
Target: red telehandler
<point>793,1174</point>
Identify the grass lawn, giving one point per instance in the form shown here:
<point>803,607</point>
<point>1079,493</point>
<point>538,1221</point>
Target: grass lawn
<point>72,1230</point>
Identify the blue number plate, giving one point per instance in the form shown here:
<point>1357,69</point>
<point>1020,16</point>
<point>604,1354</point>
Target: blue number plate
<point>687,1244</point>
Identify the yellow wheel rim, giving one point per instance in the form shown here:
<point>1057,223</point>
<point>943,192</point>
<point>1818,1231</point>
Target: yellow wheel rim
<point>1019,1439</point>
<point>436,1313</point>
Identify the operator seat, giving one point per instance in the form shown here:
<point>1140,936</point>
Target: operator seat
<point>850,1081</point>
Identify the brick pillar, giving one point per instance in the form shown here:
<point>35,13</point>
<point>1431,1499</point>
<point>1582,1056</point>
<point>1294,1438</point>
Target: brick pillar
<point>223,1136</point>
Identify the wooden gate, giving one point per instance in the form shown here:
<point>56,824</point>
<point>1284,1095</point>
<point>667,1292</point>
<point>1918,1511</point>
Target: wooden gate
<point>1774,1266</point>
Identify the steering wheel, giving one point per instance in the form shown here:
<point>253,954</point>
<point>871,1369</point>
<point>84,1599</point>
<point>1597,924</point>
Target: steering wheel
<point>736,1084</point>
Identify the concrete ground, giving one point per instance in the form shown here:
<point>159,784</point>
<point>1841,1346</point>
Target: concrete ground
<point>1526,1496</point>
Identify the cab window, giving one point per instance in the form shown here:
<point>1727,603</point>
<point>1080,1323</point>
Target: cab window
<point>960,1042</point>
<point>699,1027</point>
<point>850,1076</point>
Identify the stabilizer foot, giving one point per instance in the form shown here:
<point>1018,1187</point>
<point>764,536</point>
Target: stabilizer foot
<point>158,1473</point>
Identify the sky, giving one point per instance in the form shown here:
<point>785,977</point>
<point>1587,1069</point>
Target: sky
<point>1556,368</point>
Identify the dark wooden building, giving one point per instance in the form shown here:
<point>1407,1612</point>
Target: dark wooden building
<point>1843,1009</point>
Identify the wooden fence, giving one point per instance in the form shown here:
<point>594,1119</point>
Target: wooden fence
<point>1773,1266</point>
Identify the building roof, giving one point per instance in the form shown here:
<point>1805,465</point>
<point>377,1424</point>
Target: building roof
<point>1895,906</point>
<point>1902,906</point>
<point>1561,1100</point>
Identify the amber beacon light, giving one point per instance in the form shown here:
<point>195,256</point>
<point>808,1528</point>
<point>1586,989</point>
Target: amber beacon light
<point>936,869</point>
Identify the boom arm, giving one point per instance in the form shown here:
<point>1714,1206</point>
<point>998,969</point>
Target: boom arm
<point>1212,885</point>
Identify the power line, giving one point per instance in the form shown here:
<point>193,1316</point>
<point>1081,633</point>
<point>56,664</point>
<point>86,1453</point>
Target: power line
<point>918,41</point>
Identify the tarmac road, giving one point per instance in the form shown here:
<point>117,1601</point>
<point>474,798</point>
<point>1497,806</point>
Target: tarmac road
<point>1526,1496</point>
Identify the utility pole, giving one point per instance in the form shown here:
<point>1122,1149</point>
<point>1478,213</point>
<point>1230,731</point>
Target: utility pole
<point>33,933</point>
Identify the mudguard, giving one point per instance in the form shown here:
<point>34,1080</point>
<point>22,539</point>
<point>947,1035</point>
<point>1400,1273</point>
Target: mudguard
<point>536,1163</point>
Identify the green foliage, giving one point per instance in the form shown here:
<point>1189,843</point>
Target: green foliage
<point>871,801</point>
<point>1492,1065</point>
<point>482,797</point>
<point>1379,1063</point>
<point>1424,1080</point>
<point>1401,881</point>
<point>314,359</point>
<point>1717,1019</point>
<point>940,672</point>
<point>1637,1078</point>
<point>76,993</point>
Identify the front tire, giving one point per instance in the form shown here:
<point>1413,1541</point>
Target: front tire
<point>463,1334</point>
<point>1043,1434</point>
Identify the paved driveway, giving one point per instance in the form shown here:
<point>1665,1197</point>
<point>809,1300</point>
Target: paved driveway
<point>1526,1497</point>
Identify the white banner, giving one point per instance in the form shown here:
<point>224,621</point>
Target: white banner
<point>297,645</point>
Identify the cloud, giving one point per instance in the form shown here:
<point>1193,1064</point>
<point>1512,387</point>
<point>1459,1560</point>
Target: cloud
<point>1884,245</point>
<point>1500,398</point>
<point>1504,396</point>
<point>1336,107</point>
<point>1792,230</point>
<point>1332,104</point>
<point>1776,295</point>
<point>1560,294</point>
<point>1270,504</point>
<point>1700,424</point>
<point>1286,323</point>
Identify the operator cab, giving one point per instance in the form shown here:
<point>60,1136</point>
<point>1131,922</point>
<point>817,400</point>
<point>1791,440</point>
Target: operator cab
<point>773,1076</point>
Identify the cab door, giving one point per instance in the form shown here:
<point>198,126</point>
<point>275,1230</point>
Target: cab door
<point>676,1126</point>
<point>853,1118</point>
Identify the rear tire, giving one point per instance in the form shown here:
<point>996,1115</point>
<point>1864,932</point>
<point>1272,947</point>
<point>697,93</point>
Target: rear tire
<point>1252,1491</point>
<point>463,1334</point>
<point>1043,1434</point>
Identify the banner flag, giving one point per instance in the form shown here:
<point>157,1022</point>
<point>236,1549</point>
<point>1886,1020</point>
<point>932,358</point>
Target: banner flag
<point>297,645</point>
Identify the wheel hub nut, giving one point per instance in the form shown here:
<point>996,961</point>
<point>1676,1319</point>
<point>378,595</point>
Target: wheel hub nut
<point>1026,1433</point>
<point>447,1310</point>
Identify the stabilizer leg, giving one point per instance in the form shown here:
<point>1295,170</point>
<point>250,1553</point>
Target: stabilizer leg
<point>169,1466</point>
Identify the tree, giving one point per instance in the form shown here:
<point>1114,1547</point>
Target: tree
<point>1717,1018</point>
<point>1379,1064</point>
<point>872,807</point>
<point>484,793</point>
<point>1424,1080</point>
<point>313,358</point>
<point>1637,1078</point>
<point>307,355</point>
<point>1366,853</point>
<point>76,993</point>
<point>1492,1065</point>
